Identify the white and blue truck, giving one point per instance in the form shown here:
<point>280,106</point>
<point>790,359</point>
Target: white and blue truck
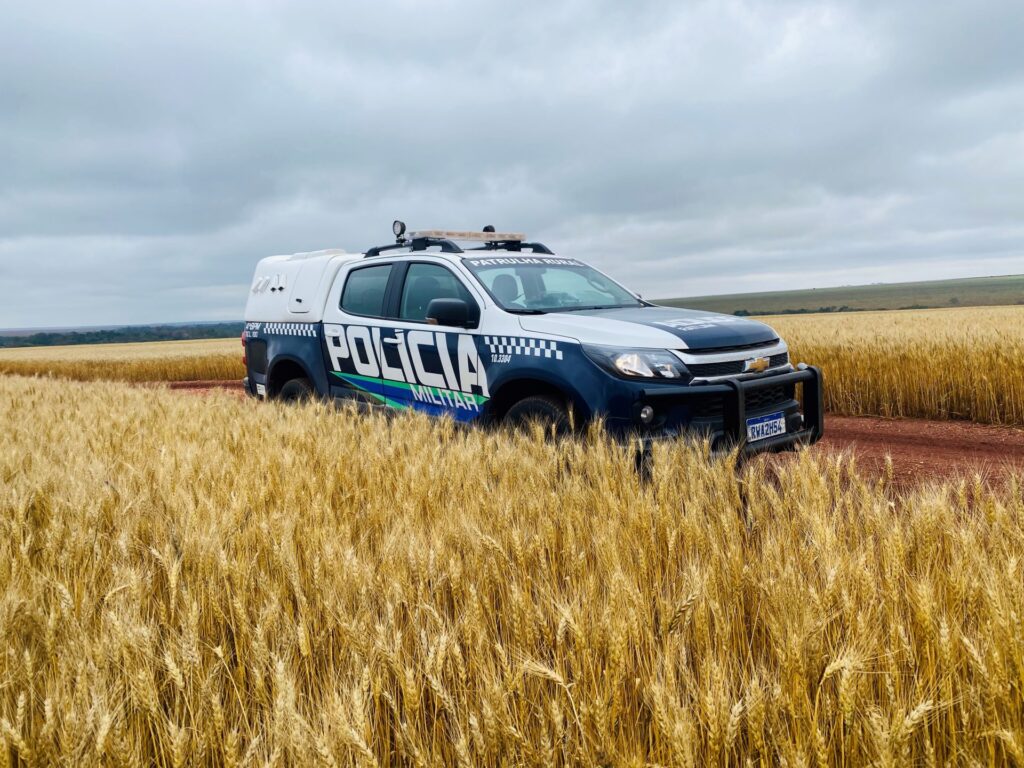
<point>487,327</point>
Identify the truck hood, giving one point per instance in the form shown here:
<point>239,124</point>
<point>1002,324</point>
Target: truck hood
<point>660,327</point>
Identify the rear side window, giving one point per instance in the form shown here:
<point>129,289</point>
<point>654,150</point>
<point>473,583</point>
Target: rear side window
<point>364,290</point>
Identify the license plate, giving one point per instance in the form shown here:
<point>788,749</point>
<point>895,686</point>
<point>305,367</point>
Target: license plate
<point>761,427</point>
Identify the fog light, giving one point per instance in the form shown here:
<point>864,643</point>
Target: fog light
<point>646,414</point>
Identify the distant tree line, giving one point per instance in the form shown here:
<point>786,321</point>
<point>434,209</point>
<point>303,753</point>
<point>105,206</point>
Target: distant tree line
<point>803,311</point>
<point>954,301</point>
<point>128,334</point>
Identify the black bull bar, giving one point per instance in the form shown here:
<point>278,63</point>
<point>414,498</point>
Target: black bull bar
<point>734,405</point>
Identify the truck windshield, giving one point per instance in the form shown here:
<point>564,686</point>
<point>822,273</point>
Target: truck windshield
<point>527,284</point>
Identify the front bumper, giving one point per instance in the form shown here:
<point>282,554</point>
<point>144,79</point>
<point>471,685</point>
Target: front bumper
<point>729,429</point>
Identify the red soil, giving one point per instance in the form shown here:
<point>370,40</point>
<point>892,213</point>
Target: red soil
<point>923,449</point>
<point>202,386</point>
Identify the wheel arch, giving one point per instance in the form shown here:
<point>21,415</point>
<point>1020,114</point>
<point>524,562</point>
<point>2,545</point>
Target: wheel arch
<point>284,368</point>
<point>514,389</point>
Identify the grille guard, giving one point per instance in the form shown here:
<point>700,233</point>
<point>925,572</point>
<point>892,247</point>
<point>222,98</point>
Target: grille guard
<point>734,409</point>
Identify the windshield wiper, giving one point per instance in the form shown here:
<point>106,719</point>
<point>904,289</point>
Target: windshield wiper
<point>596,306</point>
<point>527,311</point>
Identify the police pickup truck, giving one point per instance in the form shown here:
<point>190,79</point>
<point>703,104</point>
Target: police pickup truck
<point>499,329</point>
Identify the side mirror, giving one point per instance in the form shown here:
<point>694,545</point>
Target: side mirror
<point>451,312</point>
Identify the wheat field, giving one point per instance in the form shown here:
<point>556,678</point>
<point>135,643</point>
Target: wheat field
<point>938,364</point>
<point>218,581</point>
<point>204,359</point>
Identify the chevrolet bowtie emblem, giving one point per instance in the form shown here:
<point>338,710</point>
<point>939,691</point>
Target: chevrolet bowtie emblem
<point>756,365</point>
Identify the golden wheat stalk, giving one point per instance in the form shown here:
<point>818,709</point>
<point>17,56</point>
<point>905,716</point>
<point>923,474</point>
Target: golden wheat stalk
<point>188,582</point>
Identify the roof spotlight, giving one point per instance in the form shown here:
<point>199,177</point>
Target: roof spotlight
<point>398,227</point>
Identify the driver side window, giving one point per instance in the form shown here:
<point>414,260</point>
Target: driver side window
<point>426,282</point>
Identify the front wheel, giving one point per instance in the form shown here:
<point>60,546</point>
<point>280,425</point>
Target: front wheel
<point>550,413</point>
<point>296,391</point>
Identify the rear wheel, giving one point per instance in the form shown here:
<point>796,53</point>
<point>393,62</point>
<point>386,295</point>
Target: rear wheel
<point>296,391</point>
<point>549,412</point>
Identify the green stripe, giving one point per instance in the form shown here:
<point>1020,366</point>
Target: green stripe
<point>356,379</point>
<point>362,389</point>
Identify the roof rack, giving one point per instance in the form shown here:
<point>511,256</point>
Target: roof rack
<point>417,244</point>
<point>421,240</point>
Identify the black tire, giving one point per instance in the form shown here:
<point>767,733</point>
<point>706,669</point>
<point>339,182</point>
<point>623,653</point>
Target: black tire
<point>547,411</point>
<point>296,391</point>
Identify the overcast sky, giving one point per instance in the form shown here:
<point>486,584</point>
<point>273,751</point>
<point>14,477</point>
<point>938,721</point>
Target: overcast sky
<point>151,153</point>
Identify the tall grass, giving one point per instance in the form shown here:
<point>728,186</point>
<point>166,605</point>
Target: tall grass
<point>206,359</point>
<point>222,582</point>
<point>940,363</point>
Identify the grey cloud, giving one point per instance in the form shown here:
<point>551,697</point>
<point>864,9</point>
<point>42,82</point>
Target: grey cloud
<point>152,152</point>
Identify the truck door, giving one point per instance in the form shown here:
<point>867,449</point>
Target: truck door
<point>429,367</point>
<point>353,321</point>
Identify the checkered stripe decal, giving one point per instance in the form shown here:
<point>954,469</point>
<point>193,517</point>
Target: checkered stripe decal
<point>517,345</point>
<point>290,329</point>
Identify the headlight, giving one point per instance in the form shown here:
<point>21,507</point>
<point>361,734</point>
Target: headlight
<point>637,363</point>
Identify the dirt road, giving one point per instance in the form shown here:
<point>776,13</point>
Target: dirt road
<point>920,449</point>
<point>927,449</point>
<point>204,386</point>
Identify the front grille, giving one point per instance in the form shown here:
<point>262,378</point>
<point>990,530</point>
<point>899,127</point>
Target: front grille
<point>731,367</point>
<point>766,398</point>
<point>756,400</point>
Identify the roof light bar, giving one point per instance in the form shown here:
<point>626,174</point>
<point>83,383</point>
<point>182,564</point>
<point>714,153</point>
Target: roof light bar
<point>482,237</point>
